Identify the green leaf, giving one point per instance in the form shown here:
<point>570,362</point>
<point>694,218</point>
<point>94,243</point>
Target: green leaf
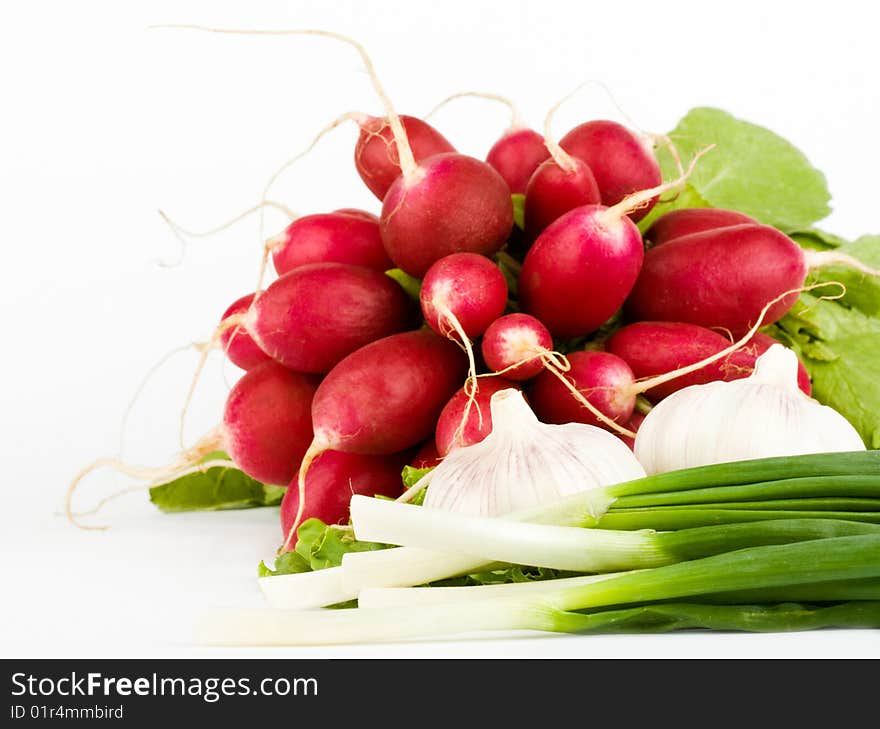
<point>411,285</point>
<point>411,475</point>
<point>289,563</point>
<point>751,169</point>
<point>815,239</point>
<point>215,489</point>
<point>862,291</point>
<point>323,546</point>
<point>839,347</point>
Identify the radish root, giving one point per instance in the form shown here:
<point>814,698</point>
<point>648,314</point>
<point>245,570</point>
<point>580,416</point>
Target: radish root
<point>641,198</point>
<point>471,386</point>
<point>186,462</point>
<point>516,120</point>
<point>407,161</point>
<point>816,259</point>
<point>559,155</point>
<point>205,349</point>
<point>646,384</point>
<point>314,450</point>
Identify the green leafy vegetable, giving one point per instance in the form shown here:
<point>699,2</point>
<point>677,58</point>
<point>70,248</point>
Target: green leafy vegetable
<point>815,239</point>
<point>324,546</point>
<point>318,546</point>
<point>288,563</point>
<point>215,489</point>
<point>751,169</point>
<point>862,291</point>
<point>411,476</point>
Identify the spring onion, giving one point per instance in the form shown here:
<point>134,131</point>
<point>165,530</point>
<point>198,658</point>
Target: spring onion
<point>573,548</point>
<point>814,561</point>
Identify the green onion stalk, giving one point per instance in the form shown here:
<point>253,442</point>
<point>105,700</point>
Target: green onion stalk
<point>584,608</point>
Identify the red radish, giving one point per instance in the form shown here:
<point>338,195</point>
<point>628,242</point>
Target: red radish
<point>237,343</point>
<point>461,295</point>
<point>516,156</point>
<point>448,203</point>
<point>621,162</point>
<point>556,188</point>
<point>338,237</point>
<point>604,379</point>
<point>267,424</point>
<point>426,456</point>
<point>677,223</point>
<point>462,292</point>
<point>511,346</point>
<point>465,420</point>
<point>635,420</point>
<point>334,478</point>
<point>376,156</point>
<point>383,398</point>
<point>580,270</point>
<point>386,396</point>
<point>558,185</point>
<point>723,277</point>
<point>519,151</point>
<point>601,388</point>
<point>653,348</point>
<point>312,317</point>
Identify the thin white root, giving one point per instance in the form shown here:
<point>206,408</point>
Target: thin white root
<point>516,121</point>
<point>186,462</point>
<point>355,116</point>
<point>471,387</point>
<point>314,450</point>
<point>182,233</point>
<point>557,364</point>
<point>647,384</point>
<point>179,229</point>
<point>664,140</point>
<point>642,197</point>
<point>579,396</point>
<point>560,156</point>
<point>123,425</point>
<point>816,259</point>
<point>205,349</point>
<point>407,161</point>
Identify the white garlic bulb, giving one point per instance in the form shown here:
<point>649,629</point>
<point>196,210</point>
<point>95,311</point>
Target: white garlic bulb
<point>760,416</point>
<point>524,462</point>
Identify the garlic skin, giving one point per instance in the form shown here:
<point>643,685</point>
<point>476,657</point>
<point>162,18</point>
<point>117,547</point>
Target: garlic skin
<point>760,416</point>
<point>524,462</point>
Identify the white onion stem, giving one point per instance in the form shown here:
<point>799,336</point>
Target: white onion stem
<point>259,626</point>
<point>539,545</point>
<point>305,589</point>
<point>413,597</point>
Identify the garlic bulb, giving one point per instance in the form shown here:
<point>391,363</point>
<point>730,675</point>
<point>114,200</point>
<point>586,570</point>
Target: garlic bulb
<point>759,416</point>
<point>524,462</point>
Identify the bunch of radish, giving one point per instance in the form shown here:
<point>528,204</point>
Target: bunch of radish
<point>349,378</point>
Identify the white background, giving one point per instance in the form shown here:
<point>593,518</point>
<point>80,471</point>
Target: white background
<point>104,121</point>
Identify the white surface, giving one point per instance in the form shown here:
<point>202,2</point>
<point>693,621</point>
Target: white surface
<point>104,122</point>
